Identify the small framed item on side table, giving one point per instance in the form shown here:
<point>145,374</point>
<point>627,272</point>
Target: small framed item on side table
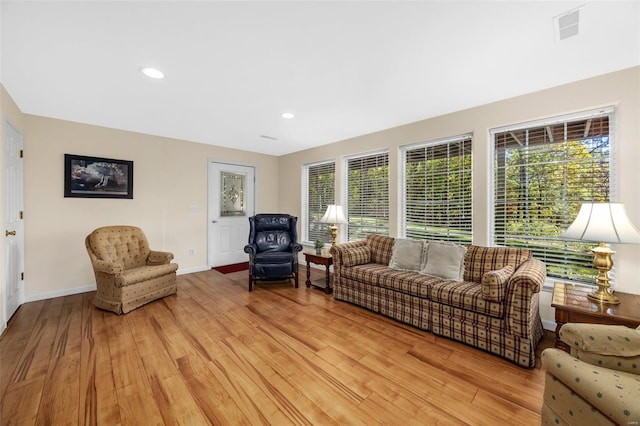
<point>573,305</point>
<point>324,258</point>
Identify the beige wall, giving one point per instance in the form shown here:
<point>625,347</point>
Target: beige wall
<point>169,177</point>
<point>620,89</point>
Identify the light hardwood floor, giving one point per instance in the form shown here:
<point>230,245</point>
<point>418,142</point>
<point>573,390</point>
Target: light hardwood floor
<point>217,354</point>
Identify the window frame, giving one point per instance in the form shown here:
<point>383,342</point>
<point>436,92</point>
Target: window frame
<point>305,222</point>
<point>403,181</point>
<point>610,112</point>
<point>346,190</point>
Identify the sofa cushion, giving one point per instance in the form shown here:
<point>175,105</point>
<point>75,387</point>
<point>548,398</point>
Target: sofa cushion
<point>465,295</point>
<point>369,273</point>
<point>409,282</point>
<point>494,283</point>
<point>407,254</point>
<point>356,256</point>
<point>381,248</point>
<point>480,260</point>
<point>445,260</point>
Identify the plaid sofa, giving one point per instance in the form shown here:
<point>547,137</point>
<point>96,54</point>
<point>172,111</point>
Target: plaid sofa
<point>507,325</point>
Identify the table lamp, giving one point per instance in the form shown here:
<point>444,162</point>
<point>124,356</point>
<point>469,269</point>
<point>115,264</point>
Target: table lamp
<point>608,223</point>
<point>334,215</point>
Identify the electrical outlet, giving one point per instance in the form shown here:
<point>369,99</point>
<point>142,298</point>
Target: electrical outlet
<point>192,252</point>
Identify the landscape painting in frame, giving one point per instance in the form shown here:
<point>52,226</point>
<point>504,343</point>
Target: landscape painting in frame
<point>93,177</point>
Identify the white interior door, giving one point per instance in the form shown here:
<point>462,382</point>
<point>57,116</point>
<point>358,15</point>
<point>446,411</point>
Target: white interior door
<point>231,203</point>
<point>13,223</point>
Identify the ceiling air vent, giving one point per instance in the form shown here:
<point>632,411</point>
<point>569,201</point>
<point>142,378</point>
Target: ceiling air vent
<point>567,24</point>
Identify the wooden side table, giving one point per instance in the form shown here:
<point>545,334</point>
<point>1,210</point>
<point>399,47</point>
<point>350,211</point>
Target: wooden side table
<point>573,305</point>
<point>324,258</point>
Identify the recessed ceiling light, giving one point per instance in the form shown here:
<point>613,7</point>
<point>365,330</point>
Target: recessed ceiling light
<point>152,72</point>
<point>287,115</point>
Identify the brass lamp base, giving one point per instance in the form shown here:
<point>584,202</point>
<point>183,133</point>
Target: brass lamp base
<point>602,295</point>
<point>603,262</point>
<point>334,234</point>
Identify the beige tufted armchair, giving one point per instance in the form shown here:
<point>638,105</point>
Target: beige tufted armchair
<point>128,274</point>
<point>599,382</point>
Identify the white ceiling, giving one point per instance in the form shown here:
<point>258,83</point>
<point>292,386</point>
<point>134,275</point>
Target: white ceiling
<point>343,68</point>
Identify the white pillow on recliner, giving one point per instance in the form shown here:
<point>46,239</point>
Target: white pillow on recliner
<point>445,260</point>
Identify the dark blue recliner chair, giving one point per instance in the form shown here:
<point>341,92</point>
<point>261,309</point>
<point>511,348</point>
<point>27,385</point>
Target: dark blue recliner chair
<point>273,248</point>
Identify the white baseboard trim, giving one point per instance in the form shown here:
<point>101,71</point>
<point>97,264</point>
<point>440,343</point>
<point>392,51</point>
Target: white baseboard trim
<point>549,325</point>
<point>192,270</point>
<point>3,327</point>
<point>59,293</point>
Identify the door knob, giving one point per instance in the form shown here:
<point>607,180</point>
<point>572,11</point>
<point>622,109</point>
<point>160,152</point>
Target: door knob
<point>7,233</point>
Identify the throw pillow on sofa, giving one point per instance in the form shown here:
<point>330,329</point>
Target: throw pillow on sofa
<point>445,260</point>
<point>407,254</point>
<point>494,283</point>
<point>357,256</point>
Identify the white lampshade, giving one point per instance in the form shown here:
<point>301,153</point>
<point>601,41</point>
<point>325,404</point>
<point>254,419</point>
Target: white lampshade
<point>334,214</point>
<point>603,222</point>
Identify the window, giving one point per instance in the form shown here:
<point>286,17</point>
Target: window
<point>543,172</point>
<point>368,195</point>
<point>318,192</point>
<point>437,190</point>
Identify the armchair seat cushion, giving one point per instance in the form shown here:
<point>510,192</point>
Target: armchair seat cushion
<point>145,273</point>
<point>274,257</point>
<point>272,270</point>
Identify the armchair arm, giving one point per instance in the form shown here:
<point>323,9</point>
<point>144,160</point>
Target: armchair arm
<point>252,249</point>
<point>296,247</point>
<point>614,394</point>
<point>159,258</point>
<point>107,267</point>
<point>613,346</point>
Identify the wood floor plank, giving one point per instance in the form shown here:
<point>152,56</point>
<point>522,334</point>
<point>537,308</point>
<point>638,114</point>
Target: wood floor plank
<point>14,340</point>
<point>217,354</point>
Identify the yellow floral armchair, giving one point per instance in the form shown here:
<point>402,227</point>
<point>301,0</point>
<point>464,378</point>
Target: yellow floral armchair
<point>128,273</point>
<point>599,382</point>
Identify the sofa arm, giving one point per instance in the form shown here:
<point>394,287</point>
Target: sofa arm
<point>159,258</point>
<point>522,310</point>
<point>614,394</point>
<point>340,251</point>
<point>109,268</point>
<point>612,346</point>
<point>530,275</point>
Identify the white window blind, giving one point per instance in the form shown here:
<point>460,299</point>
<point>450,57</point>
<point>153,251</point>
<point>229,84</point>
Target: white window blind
<point>543,172</point>
<point>437,190</point>
<point>320,192</point>
<point>368,195</point>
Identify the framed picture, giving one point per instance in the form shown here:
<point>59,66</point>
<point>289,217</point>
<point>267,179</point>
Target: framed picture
<point>93,177</point>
